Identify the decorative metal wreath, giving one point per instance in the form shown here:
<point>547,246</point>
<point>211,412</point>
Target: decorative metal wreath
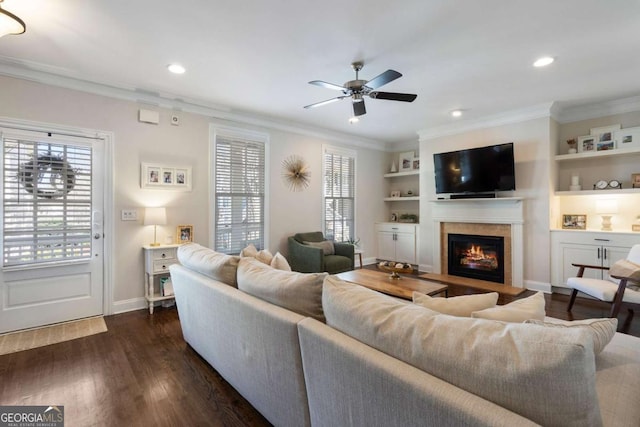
<point>51,177</point>
<point>295,173</point>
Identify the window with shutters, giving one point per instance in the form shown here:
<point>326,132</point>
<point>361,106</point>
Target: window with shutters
<point>339,193</point>
<point>239,185</point>
<point>46,202</point>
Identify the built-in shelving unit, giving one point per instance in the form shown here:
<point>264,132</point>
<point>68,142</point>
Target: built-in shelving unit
<point>592,154</point>
<point>397,174</point>
<point>401,199</point>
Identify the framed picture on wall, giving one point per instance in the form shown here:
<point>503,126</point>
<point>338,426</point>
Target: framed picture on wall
<point>164,177</point>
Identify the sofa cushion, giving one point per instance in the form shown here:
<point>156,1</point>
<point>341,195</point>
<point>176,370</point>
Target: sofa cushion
<point>298,292</point>
<point>326,246</point>
<point>517,311</point>
<point>601,330</point>
<point>279,262</point>
<point>221,267</point>
<point>544,374</point>
<point>461,306</point>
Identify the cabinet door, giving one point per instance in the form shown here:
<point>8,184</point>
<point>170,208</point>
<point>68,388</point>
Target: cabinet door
<point>386,246</point>
<point>579,254</point>
<point>406,247</point>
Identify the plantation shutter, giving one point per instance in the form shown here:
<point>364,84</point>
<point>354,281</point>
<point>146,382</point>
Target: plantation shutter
<point>46,202</point>
<point>339,193</point>
<point>239,163</point>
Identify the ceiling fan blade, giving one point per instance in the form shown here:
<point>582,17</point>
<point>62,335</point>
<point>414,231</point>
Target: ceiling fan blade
<point>393,96</point>
<point>383,79</point>
<point>359,108</point>
<point>327,85</point>
<point>328,101</point>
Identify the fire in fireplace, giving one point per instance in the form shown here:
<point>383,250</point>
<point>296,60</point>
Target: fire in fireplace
<point>476,257</point>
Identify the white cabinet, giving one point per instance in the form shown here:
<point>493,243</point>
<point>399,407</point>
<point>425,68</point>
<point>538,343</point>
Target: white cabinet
<point>585,247</point>
<point>397,242</point>
<point>157,260</point>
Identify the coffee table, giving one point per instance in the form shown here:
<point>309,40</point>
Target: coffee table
<point>401,288</point>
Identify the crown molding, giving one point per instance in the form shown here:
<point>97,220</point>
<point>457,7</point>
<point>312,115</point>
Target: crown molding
<point>505,118</point>
<point>600,109</point>
<point>31,72</point>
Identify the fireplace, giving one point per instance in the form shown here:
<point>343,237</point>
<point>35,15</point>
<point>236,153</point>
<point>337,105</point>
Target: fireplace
<point>476,257</point>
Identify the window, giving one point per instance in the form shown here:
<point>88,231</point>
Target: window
<point>46,201</point>
<point>239,186</point>
<point>339,193</point>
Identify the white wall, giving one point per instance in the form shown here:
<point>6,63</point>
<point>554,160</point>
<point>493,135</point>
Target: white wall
<point>531,149</point>
<point>187,144</point>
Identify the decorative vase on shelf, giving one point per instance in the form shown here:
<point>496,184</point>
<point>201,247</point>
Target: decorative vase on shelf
<point>393,167</point>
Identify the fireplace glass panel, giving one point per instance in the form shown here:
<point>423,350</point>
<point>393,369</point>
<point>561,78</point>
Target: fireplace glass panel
<point>476,257</point>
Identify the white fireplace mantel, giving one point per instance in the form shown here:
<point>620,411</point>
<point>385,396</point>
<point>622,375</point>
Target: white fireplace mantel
<point>506,210</point>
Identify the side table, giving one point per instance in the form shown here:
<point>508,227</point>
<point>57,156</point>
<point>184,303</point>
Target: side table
<point>157,260</point>
<point>359,253</point>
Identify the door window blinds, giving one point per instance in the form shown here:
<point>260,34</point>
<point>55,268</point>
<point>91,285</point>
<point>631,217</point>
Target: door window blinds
<point>46,202</point>
<point>339,193</point>
<point>239,163</point>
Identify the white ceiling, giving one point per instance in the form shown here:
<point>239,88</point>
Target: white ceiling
<point>255,57</point>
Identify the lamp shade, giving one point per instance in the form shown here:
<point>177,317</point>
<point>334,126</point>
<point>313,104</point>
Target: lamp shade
<point>10,23</point>
<point>155,216</point>
<point>606,207</point>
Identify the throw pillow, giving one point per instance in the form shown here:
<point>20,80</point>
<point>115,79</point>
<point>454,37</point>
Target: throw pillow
<point>517,311</point>
<point>625,268</point>
<point>325,245</point>
<point>461,306</point>
<point>279,262</point>
<point>221,267</point>
<point>249,251</point>
<point>601,330</point>
<point>495,360</point>
<point>264,256</point>
<point>298,292</point>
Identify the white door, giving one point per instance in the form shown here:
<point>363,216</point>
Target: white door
<point>580,254</point>
<point>386,246</point>
<point>52,228</point>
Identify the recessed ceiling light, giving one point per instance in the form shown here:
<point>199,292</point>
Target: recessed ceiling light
<point>456,113</point>
<point>543,62</point>
<point>176,68</point>
<point>353,120</point>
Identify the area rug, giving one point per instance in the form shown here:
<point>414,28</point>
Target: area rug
<point>39,337</point>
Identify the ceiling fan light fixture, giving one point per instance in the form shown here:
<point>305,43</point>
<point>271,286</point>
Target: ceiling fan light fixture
<point>544,61</point>
<point>10,23</point>
<point>456,113</point>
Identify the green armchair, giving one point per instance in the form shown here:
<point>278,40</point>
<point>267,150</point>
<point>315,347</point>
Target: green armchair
<point>312,259</point>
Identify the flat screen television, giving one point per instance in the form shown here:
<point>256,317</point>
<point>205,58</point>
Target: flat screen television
<point>476,170</point>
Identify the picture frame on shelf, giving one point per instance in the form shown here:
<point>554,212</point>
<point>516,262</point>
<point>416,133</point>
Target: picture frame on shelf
<point>606,144</point>
<point>184,234</point>
<point>164,177</point>
<point>635,180</point>
<point>406,161</point>
<point>395,193</point>
<point>628,138</point>
<point>574,222</point>
<point>586,143</point>
<point>415,163</point>
<point>604,129</point>
<point>394,217</point>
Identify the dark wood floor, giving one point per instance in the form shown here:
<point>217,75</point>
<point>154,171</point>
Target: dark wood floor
<point>141,373</point>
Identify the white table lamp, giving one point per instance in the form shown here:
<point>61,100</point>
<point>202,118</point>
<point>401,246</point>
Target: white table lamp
<point>606,208</point>
<point>155,217</point>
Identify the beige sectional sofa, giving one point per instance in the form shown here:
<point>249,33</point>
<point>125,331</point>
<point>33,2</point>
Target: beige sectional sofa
<point>378,361</point>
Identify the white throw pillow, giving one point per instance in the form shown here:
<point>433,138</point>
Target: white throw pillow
<point>264,256</point>
<point>626,268</point>
<point>517,311</point>
<point>601,330</point>
<point>249,251</point>
<point>325,245</point>
<point>461,306</point>
<point>279,262</point>
<point>298,292</point>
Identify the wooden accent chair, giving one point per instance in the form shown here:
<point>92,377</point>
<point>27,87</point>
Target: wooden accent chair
<point>616,289</point>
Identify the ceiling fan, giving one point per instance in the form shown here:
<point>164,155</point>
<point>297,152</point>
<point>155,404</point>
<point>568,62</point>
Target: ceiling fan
<point>357,89</point>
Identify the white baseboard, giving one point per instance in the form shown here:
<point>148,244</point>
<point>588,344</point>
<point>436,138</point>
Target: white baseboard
<point>129,305</point>
<point>538,286</point>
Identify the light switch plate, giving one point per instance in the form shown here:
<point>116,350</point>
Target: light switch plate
<point>129,215</point>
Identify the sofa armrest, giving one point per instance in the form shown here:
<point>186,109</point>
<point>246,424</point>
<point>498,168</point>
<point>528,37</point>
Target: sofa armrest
<point>344,249</point>
<point>305,258</point>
